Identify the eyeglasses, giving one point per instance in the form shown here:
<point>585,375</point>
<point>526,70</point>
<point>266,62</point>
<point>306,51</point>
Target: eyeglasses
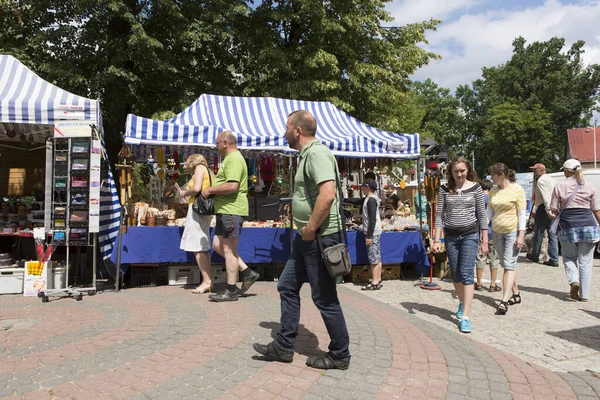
<point>219,141</point>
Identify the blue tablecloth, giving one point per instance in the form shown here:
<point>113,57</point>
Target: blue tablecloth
<point>160,244</point>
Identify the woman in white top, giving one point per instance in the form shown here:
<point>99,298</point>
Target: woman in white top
<point>196,235</point>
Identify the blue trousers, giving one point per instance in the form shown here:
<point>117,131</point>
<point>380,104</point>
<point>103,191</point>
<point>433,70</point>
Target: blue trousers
<point>543,223</point>
<point>306,264</point>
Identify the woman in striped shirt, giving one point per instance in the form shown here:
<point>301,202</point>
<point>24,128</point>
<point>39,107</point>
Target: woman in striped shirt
<point>506,210</point>
<point>461,213</point>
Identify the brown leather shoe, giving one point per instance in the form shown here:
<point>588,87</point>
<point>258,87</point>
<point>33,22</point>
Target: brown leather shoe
<point>575,291</point>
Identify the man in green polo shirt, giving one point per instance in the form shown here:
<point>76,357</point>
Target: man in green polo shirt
<point>306,263</point>
<point>230,191</point>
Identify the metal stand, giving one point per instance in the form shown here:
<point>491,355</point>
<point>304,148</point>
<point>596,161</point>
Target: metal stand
<point>68,291</point>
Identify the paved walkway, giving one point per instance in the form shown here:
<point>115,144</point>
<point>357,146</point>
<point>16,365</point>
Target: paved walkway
<point>168,343</point>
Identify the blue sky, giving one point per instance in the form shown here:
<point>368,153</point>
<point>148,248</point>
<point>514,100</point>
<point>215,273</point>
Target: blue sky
<point>478,33</point>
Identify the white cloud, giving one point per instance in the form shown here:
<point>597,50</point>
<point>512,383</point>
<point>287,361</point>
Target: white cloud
<point>411,11</point>
<point>484,38</point>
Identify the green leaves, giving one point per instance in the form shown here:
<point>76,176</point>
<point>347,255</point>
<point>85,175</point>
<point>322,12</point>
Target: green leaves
<point>519,112</point>
<point>155,57</point>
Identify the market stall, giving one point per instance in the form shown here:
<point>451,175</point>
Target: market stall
<point>154,245</point>
<point>37,122</point>
<point>259,124</point>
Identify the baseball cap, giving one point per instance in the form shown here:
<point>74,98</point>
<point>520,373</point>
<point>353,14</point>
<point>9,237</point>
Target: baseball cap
<point>571,164</point>
<point>371,184</point>
<point>538,166</point>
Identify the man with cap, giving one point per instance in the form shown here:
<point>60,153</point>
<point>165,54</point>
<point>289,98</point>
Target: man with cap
<point>542,195</point>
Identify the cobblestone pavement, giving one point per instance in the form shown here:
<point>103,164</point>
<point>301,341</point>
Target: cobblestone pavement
<point>167,343</point>
<point>547,328</point>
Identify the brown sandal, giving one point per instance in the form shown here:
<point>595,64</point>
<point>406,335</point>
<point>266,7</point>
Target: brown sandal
<point>494,288</point>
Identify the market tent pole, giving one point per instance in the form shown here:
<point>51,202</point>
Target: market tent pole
<point>119,241</point>
<point>419,193</point>
<point>431,285</point>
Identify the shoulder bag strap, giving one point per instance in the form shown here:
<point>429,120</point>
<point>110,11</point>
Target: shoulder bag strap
<point>569,200</point>
<point>209,179</point>
<point>312,204</point>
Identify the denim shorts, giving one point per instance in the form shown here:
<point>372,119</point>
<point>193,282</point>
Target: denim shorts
<point>462,253</point>
<point>374,251</point>
<point>229,226</point>
<point>507,252</point>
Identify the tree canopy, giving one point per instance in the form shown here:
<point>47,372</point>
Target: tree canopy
<point>154,56</point>
<point>519,112</point>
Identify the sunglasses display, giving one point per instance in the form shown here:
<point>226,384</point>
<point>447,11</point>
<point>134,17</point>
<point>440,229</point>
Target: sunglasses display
<point>72,165</point>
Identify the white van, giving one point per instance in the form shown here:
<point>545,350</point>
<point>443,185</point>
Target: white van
<point>589,175</point>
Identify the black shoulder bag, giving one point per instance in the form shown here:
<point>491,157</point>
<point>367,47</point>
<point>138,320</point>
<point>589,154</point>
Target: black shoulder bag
<point>202,206</point>
<point>336,258</point>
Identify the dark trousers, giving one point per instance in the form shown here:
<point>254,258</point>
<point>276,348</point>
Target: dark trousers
<point>543,223</point>
<point>305,264</point>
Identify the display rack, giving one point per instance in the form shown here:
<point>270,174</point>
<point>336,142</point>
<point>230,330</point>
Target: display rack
<point>72,203</point>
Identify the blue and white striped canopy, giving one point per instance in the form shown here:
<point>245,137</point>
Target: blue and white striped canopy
<point>259,123</point>
<point>25,98</point>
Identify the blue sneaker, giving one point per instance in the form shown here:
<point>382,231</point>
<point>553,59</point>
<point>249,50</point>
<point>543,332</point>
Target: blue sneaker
<point>465,326</point>
<point>459,313</point>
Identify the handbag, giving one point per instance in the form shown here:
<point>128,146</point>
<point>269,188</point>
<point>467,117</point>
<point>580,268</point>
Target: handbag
<point>337,257</point>
<point>202,206</point>
<point>554,226</point>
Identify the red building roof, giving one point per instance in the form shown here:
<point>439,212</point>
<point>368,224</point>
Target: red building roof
<point>581,144</point>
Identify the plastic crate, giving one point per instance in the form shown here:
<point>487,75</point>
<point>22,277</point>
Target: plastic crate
<point>219,274</point>
<point>147,275</point>
<point>11,280</point>
<point>184,275</point>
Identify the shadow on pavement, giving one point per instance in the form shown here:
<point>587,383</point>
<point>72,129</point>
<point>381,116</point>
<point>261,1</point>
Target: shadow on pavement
<point>563,296</point>
<point>592,313</point>
<point>443,313</point>
<point>587,337</point>
<point>487,300</point>
<point>307,342</point>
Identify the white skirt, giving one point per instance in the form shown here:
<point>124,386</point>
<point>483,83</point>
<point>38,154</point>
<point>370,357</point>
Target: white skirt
<point>196,234</point>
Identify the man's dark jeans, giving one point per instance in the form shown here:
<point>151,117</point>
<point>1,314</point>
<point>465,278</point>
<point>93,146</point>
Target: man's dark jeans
<point>305,263</point>
<point>543,223</point>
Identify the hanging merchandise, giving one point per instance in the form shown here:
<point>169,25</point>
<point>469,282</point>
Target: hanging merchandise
<point>279,174</point>
<point>181,180</point>
<point>160,159</point>
<point>176,166</point>
<point>260,183</point>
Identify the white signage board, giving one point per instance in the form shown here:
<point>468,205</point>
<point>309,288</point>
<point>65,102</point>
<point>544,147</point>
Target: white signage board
<point>73,129</point>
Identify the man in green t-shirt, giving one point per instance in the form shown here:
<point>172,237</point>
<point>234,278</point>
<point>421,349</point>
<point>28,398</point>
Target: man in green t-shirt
<point>230,191</point>
<point>306,263</point>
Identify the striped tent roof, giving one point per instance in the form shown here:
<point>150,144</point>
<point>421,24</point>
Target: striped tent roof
<point>259,123</point>
<point>25,98</point>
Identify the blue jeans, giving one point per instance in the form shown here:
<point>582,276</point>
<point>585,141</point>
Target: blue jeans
<point>507,252</point>
<point>579,260</point>
<point>462,253</point>
<point>306,264</point>
<point>543,223</point>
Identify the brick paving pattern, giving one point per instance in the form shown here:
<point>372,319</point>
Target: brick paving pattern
<point>167,343</point>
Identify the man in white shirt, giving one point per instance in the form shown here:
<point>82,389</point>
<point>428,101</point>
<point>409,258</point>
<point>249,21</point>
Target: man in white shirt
<point>543,194</point>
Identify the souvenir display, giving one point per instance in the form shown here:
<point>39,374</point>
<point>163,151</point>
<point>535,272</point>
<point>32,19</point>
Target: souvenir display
<point>74,187</point>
